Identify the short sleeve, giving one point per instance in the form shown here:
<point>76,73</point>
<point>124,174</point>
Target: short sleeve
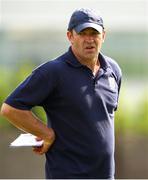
<point>33,91</point>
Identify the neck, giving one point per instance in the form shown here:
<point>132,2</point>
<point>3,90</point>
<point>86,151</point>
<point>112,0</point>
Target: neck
<point>92,64</point>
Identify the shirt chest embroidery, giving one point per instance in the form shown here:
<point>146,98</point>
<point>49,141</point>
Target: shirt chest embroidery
<point>112,83</point>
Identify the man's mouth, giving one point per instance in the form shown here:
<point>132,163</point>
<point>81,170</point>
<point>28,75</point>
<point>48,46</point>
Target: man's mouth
<point>89,47</point>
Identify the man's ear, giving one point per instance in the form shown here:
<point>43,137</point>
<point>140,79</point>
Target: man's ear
<point>70,36</point>
<point>103,36</point>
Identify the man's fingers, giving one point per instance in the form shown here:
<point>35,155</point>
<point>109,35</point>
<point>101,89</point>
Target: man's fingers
<point>38,139</point>
<point>42,149</point>
<point>45,146</point>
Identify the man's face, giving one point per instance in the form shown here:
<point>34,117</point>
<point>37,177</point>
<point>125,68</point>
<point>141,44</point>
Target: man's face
<point>87,43</point>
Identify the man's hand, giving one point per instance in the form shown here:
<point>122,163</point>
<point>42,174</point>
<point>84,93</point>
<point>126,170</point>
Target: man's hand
<point>44,148</point>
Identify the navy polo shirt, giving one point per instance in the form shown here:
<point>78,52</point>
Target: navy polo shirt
<point>80,108</point>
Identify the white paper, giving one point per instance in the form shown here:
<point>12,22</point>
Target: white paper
<point>26,140</point>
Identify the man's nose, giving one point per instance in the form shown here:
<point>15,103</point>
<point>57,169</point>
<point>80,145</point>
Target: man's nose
<point>89,38</point>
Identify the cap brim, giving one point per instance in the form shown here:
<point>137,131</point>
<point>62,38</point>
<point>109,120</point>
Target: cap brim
<point>88,25</point>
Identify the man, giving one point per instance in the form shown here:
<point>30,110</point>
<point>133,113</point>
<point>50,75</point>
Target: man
<point>79,93</point>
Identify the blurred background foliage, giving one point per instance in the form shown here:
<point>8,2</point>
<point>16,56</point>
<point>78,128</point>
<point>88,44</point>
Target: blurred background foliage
<point>128,49</point>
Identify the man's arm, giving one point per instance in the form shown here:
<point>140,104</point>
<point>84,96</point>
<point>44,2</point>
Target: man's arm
<point>28,122</point>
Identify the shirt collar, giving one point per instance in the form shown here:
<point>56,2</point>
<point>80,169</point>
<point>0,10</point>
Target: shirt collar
<point>103,61</point>
<point>72,60</point>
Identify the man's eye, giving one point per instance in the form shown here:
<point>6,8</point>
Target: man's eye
<point>95,33</point>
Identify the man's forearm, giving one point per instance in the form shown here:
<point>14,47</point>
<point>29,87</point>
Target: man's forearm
<point>28,122</point>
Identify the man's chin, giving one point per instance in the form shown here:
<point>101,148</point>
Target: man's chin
<point>91,56</point>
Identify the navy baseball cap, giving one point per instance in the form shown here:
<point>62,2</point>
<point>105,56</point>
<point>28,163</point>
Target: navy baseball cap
<point>84,18</point>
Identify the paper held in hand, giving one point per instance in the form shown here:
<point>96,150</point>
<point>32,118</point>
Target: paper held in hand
<point>26,140</point>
